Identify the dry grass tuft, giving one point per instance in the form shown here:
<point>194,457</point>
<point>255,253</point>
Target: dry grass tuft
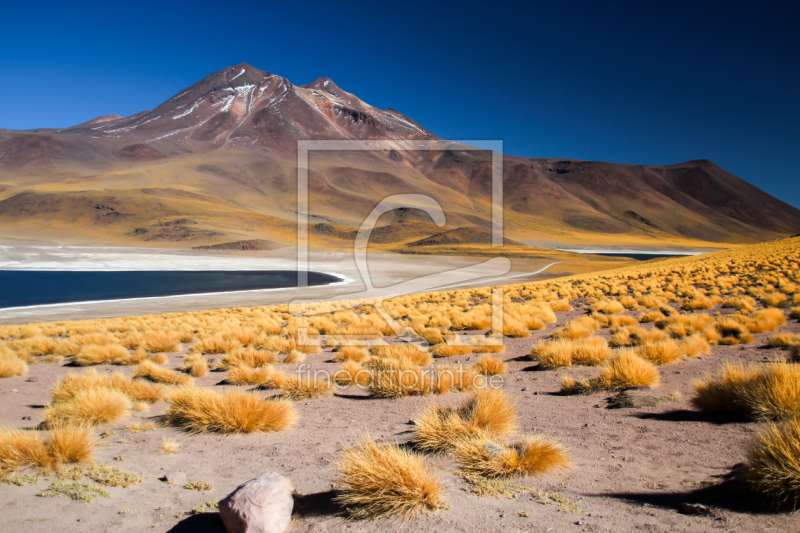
<point>249,357</point>
<point>624,370</point>
<point>773,465</point>
<point>783,340</point>
<point>488,412</point>
<point>661,353</point>
<point>11,365</point>
<point>22,449</point>
<point>195,365</point>
<point>294,357</point>
<point>139,391</point>
<point>561,353</point>
<point>198,410</point>
<point>92,407</point>
<point>305,387</point>
<point>695,346</point>
<point>101,354</point>
<point>532,456</point>
<point>71,444</point>
<point>169,446</point>
<point>352,373</point>
<point>733,332</point>
<point>795,313</point>
<point>352,353</point>
<point>579,328</point>
<point>489,366</point>
<point>158,374</point>
<point>384,480</point>
<point>767,392</point>
<point>162,341</point>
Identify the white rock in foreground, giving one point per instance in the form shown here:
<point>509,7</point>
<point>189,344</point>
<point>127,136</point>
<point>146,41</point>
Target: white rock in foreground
<point>262,505</point>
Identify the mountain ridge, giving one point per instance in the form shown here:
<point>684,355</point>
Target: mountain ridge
<point>234,135</point>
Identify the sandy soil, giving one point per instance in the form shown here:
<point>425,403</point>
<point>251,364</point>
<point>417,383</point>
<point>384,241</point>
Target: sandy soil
<point>391,274</point>
<point>633,467</point>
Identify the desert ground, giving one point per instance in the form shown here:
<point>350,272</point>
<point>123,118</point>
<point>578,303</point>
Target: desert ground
<point>570,347</point>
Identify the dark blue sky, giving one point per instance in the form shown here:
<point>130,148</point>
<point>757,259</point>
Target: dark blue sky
<point>633,82</point>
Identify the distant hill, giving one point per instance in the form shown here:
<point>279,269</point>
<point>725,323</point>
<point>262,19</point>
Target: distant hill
<point>216,164</point>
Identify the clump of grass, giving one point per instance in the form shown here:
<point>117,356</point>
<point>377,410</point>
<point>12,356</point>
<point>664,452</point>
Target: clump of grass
<point>607,307</point>
<point>766,320</point>
<point>195,365</point>
<point>531,456</point>
<point>489,366</point>
<point>71,444</point>
<point>795,313</point>
<point>243,375</point>
<point>733,332</point>
<point>773,464</point>
<point>392,378</point>
<point>94,406</point>
<point>624,370</point>
<point>383,480</point>
<point>652,315</point>
<point>294,357</point>
<point>11,365</point>
<point>783,340</point>
<point>250,357</point>
<point>661,353</point>
<point>561,353</point>
<point>402,352</point>
<point>201,409</point>
<point>169,446</point>
<point>353,353</point>
<point>580,328</point>
<point>775,299</point>
<point>22,449</point>
<point>71,384</point>
<point>768,392</point>
<point>306,387</point>
<point>695,346</point>
<point>352,373</point>
<point>158,374</point>
<point>100,354</point>
<point>162,341</point>
<point>140,428</point>
<point>489,412</point>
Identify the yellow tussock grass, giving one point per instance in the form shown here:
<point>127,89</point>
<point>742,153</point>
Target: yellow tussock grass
<point>162,341</point>
<point>294,357</point>
<point>11,365</point>
<point>306,387</point>
<point>404,351</point>
<point>489,366</point>
<point>169,446</point>
<point>71,444</point>
<point>733,332</point>
<point>795,313</point>
<point>100,354</point>
<point>783,340</point>
<point>661,353</point>
<point>489,412</point>
<point>766,392</point>
<point>607,307</point>
<point>22,449</point>
<point>580,328</point>
<point>195,365</point>
<point>352,373</point>
<point>249,357</point>
<point>384,480</point>
<point>531,456</point>
<point>351,353</point>
<point>71,384</point>
<point>201,409</point>
<point>766,320</point>
<point>561,353</point>
<point>624,370</point>
<point>158,374</point>
<point>773,463</point>
<point>695,346</point>
<point>91,407</point>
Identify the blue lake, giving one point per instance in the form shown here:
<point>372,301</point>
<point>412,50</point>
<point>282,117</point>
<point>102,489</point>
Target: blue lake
<point>37,287</point>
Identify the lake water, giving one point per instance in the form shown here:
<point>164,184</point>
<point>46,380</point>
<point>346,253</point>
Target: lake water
<point>641,257</point>
<point>37,287</point>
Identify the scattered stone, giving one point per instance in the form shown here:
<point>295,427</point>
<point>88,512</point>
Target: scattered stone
<point>26,418</point>
<point>14,390</point>
<point>694,509</point>
<point>633,399</point>
<point>32,380</point>
<point>524,389</point>
<point>175,478</point>
<point>262,505</point>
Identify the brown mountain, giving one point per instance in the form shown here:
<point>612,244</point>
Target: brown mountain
<point>216,164</point>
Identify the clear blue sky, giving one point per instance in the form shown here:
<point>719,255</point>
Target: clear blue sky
<point>633,82</point>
